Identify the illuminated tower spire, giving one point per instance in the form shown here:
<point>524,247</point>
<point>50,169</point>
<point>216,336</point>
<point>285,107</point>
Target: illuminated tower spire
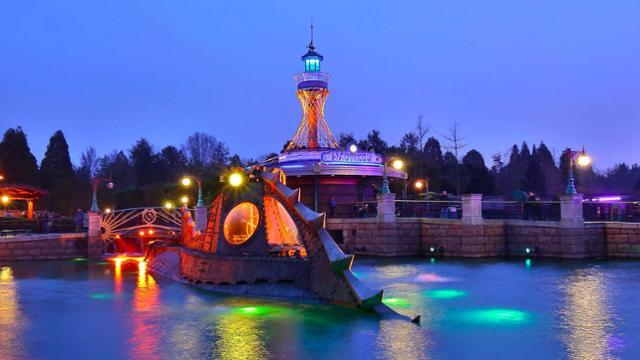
<point>313,89</point>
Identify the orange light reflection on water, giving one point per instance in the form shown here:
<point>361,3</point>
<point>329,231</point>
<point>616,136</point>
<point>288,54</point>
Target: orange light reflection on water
<point>146,314</point>
<point>10,316</point>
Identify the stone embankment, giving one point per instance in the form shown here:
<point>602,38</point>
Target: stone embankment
<point>43,247</point>
<point>444,237</point>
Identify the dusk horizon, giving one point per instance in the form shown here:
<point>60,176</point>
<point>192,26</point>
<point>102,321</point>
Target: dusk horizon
<point>165,71</point>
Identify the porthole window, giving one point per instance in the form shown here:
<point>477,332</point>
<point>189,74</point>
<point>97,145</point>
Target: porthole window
<point>241,223</point>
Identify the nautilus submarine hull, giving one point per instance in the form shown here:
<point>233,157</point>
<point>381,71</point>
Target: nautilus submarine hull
<point>261,240</point>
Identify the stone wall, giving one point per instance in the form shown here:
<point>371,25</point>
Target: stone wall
<point>418,237</point>
<point>43,247</point>
<point>622,239</point>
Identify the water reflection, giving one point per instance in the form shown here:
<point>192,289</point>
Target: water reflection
<point>10,317</point>
<point>239,336</point>
<point>146,332</point>
<point>586,315</point>
<point>400,339</point>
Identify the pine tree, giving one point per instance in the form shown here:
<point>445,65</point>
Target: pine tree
<point>17,163</point>
<point>142,161</point>
<point>476,176</point>
<point>56,164</point>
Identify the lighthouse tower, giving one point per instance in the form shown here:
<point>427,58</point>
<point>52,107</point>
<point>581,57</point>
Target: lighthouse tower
<point>313,160</point>
<point>313,89</point>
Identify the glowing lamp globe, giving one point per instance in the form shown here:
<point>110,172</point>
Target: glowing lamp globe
<point>236,179</point>
<point>168,205</point>
<point>419,185</point>
<point>107,210</point>
<point>186,181</point>
<point>353,148</point>
<point>5,199</point>
<point>397,164</point>
<point>584,160</point>
<point>184,200</point>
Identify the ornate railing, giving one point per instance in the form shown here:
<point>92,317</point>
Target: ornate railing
<point>128,222</point>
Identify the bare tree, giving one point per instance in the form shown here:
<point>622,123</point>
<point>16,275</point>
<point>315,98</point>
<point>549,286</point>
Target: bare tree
<point>88,163</point>
<point>204,151</point>
<point>454,145</point>
<point>421,130</point>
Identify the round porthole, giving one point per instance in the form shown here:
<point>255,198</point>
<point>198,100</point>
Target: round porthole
<point>241,223</point>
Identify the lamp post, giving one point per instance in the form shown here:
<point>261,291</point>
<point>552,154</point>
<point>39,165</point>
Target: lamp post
<point>583,160</point>
<point>186,181</point>
<point>95,182</point>
<point>397,164</point>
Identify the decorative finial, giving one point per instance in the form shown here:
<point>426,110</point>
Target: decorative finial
<point>311,47</point>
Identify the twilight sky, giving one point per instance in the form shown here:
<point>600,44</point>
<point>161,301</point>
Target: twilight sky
<point>109,72</point>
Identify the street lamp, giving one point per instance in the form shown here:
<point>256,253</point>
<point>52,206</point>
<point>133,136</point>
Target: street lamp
<point>186,181</point>
<point>168,205</point>
<point>236,179</point>
<point>583,160</point>
<point>184,199</point>
<point>353,148</point>
<point>1,177</point>
<point>397,164</point>
<point>5,199</point>
<point>95,182</point>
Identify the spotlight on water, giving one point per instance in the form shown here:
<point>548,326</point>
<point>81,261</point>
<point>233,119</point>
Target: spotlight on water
<point>444,294</point>
<point>496,317</point>
<point>396,302</point>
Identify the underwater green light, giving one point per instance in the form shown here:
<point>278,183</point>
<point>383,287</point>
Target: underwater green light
<point>101,296</point>
<point>79,259</point>
<point>527,263</point>
<point>497,317</point>
<point>445,294</point>
<point>396,302</point>
<point>257,310</point>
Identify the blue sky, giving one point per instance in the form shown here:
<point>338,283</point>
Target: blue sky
<point>109,72</point>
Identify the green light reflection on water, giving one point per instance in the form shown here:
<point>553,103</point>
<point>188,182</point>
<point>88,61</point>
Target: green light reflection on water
<point>101,296</point>
<point>396,302</point>
<point>496,317</point>
<point>79,259</point>
<point>445,293</point>
<point>527,263</point>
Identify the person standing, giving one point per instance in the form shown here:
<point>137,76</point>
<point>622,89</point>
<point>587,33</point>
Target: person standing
<point>78,219</point>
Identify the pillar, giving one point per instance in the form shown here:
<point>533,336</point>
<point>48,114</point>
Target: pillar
<point>571,211</point>
<point>30,209</point>
<point>201,218</point>
<point>95,246</point>
<point>386,207</point>
<point>472,209</point>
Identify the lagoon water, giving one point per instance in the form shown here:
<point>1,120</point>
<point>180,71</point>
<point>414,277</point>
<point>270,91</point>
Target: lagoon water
<point>489,309</point>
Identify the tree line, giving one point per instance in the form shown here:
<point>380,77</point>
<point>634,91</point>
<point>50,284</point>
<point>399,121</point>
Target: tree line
<point>146,176</point>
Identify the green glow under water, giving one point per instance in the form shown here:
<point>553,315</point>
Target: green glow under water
<point>445,294</point>
<point>497,317</point>
<point>396,302</point>
<point>101,296</point>
<point>79,259</point>
<point>527,263</point>
<point>258,310</point>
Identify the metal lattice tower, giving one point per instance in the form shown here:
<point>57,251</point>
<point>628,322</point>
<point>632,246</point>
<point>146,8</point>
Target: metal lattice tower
<point>313,89</point>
